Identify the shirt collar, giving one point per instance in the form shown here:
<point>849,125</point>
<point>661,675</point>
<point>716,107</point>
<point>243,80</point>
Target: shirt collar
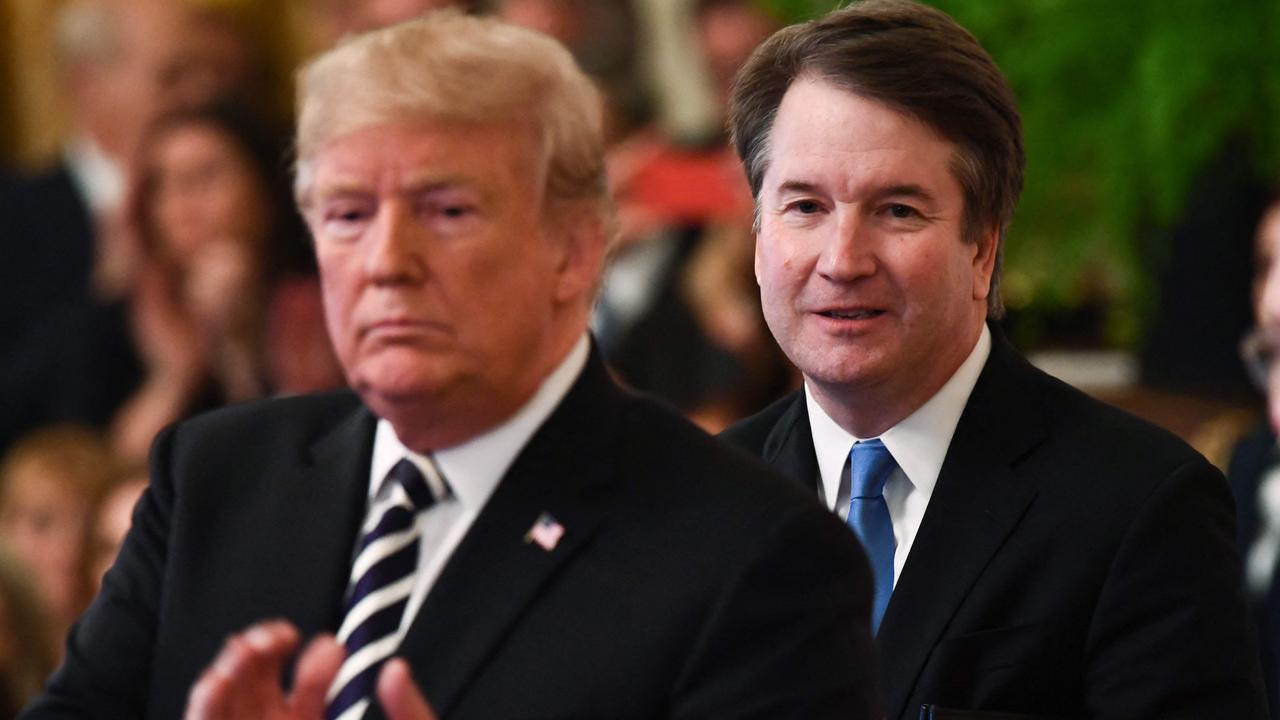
<point>474,468</point>
<point>99,178</point>
<point>918,443</point>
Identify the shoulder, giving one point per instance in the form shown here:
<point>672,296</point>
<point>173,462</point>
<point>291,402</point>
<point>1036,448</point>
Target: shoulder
<point>1108,436</point>
<point>752,432</point>
<point>1047,426</point>
<point>703,482</point>
<point>263,426</point>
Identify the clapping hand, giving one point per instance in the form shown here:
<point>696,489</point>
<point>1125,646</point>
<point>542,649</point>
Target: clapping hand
<point>243,682</point>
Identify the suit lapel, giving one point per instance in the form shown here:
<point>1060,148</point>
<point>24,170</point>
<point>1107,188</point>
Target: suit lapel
<point>789,445</point>
<point>308,587</point>
<point>976,504</point>
<point>495,573</point>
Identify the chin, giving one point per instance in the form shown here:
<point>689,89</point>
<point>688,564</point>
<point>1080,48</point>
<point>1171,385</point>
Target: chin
<point>398,382</point>
<point>849,368</point>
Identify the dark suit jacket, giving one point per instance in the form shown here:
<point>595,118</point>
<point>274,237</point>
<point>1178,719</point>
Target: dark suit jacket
<point>46,242</point>
<point>690,581</point>
<point>65,356</point>
<point>1250,460</point>
<point>1073,561</point>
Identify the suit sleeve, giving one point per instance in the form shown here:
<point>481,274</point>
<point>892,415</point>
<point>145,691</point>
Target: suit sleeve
<point>1171,636</point>
<point>109,651</point>
<point>789,637</point>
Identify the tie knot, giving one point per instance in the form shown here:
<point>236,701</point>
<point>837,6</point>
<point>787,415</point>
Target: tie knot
<point>870,466</point>
<point>406,474</point>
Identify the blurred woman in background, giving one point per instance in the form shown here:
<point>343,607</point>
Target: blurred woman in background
<point>218,228</point>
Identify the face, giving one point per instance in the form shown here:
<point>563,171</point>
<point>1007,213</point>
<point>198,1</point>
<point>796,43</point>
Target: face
<point>206,191</point>
<point>43,519</point>
<point>124,95</point>
<point>1266,301</point>
<point>448,294</point>
<point>1266,278</point>
<point>865,279</point>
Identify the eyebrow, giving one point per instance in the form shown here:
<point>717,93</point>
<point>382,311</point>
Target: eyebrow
<point>797,186</point>
<point>907,190</point>
<point>412,186</point>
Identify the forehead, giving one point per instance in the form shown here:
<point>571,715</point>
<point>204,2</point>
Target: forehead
<point>35,481</point>
<point>394,154</point>
<point>825,134</point>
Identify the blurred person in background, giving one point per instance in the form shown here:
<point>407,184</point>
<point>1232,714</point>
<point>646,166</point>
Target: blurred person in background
<point>1254,470</point>
<point>215,215</point>
<point>68,250</point>
<point>51,482</point>
<point>111,523</point>
<point>340,18</point>
<point>678,316</point>
<point>26,657</point>
<point>221,61</point>
<point>73,254</point>
<point>601,34</point>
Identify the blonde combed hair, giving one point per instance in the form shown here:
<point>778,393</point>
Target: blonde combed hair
<point>448,66</point>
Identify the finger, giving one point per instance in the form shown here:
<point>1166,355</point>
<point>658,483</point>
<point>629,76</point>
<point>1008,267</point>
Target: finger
<point>398,694</point>
<point>209,698</point>
<point>245,674</point>
<point>273,643</point>
<point>316,670</point>
<point>217,693</point>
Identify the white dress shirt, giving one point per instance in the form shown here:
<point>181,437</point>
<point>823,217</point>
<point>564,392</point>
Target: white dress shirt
<point>1261,556</point>
<point>99,178</point>
<point>472,471</point>
<point>918,444</point>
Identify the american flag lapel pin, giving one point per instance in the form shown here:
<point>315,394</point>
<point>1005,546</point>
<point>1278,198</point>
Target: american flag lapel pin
<point>546,532</point>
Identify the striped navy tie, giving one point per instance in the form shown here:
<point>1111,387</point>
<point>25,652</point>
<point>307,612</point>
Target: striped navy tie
<point>381,580</point>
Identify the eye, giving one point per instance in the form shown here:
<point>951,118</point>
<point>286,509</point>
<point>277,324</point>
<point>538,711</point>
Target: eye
<point>456,211</point>
<point>804,207</point>
<point>448,211</point>
<point>902,212</point>
<point>344,219</point>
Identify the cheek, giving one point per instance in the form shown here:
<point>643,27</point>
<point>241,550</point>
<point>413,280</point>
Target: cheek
<point>337,305</point>
<point>776,260</point>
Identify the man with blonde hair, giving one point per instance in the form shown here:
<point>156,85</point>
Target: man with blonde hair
<point>487,513</point>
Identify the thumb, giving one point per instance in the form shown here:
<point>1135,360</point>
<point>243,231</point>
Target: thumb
<point>400,697</point>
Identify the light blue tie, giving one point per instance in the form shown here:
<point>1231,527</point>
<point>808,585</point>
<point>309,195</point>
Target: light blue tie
<point>870,466</point>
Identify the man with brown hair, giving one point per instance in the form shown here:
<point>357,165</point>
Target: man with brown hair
<point>1034,551</point>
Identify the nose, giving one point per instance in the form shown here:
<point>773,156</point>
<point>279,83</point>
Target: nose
<point>849,254</point>
<point>396,249</point>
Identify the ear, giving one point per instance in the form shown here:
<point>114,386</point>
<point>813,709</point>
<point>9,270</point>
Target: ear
<point>984,263</point>
<point>582,252</point>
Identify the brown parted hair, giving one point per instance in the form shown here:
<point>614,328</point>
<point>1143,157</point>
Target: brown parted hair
<point>916,60</point>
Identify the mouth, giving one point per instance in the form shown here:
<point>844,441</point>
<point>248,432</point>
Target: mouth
<point>855,314</point>
<point>400,328</point>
